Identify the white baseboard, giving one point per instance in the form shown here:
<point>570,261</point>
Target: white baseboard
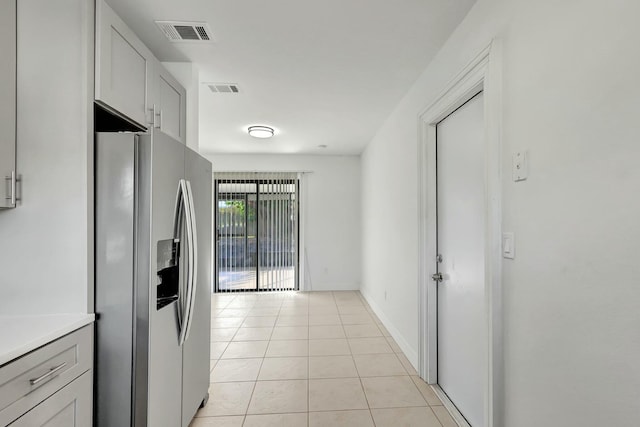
<point>450,407</point>
<point>333,286</point>
<point>411,354</point>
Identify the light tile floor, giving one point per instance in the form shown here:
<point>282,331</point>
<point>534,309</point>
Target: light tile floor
<point>310,359</point>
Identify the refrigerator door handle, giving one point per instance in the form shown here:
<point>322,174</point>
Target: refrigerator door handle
<point>178,216</point>
<point>182,216</point>
<point>188,299</point>
<point>191,293</point>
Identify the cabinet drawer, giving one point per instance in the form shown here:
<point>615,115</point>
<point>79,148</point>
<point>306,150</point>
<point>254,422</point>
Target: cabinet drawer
<point>27,381</point>
<point>69,407</point>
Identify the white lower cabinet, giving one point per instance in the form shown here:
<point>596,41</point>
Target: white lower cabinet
<point>69,407</point>
<point>50,386</point>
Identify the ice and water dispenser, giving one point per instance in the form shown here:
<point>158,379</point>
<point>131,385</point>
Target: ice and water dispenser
<point>168,272</point>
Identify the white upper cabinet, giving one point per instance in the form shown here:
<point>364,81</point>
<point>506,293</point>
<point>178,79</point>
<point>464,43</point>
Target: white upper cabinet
<point>169,102</point>
<point>132,82</point>
<point>8,104</point>
<point>124,67</point>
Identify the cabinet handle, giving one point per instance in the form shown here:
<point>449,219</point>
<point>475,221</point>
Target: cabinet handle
<point>52,372</point>
<point>156,113</point>
<point>12,179</point>
<point>152,119</point>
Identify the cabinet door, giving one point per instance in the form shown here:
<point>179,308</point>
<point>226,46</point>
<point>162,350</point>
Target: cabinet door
<point>69,407</point>
<point>170,103</point>
<point>123,67</point>
<point>8,103</point>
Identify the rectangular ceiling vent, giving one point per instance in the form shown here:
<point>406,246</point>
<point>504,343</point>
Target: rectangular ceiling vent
<point>185,31</point>
<point>223,87</point>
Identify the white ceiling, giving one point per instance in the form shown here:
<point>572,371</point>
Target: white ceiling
<point>320,72</point>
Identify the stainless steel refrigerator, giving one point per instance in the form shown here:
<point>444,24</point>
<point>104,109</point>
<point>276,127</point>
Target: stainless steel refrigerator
<point>153,274</point>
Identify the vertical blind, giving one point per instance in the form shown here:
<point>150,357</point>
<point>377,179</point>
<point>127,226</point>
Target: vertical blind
<point>257,223</point>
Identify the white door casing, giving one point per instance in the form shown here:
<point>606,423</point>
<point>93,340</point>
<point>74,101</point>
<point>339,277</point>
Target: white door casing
<point>483,73</point>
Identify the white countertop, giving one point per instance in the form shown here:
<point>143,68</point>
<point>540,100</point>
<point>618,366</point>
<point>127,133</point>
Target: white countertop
<point>22,334</point>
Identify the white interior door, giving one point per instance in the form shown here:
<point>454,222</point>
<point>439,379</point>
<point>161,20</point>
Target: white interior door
<point>461,243</point>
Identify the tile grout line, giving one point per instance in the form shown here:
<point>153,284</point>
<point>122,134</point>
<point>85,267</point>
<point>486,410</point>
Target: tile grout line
<point>364,393</point>
<point>373,420</point>
<point>261,365</point>
<point>253,389</point>
<point>318,378</point>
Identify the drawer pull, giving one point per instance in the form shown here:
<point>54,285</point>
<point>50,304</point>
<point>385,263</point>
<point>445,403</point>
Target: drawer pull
<point>49,374</point>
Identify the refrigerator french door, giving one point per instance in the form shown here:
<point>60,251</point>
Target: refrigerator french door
<point>153,272</point>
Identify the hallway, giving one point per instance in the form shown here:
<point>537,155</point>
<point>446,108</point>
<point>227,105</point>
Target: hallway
<point>317,359</point>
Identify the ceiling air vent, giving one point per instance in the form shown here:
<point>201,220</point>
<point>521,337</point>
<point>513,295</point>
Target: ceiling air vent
<point>223,87</point>
<point>185,31</point>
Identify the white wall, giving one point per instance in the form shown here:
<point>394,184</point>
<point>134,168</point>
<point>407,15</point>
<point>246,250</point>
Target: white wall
<point>46,243</point>
<point>331,197</point>
<point>571,296</point>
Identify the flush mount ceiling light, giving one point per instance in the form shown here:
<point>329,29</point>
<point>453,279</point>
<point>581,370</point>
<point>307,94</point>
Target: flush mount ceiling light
<point>260,131</point>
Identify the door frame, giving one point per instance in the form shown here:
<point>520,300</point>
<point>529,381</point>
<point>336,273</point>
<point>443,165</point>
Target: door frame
<point>483,73</point>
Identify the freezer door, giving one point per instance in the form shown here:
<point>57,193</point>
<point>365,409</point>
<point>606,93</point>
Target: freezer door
<point>160,172</point>
<point>195,362</point>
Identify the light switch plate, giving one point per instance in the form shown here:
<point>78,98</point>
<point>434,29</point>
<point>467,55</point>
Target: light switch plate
<point>520,166</point>
<point>508,245</point>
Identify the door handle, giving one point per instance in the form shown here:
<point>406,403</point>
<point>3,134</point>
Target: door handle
<point>182,215</point>
<point>186,302</point>
<point>438,277</point>
<point>193,276</point>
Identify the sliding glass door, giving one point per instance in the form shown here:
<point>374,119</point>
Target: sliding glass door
<point>236,246</point>
<point>257,231</point>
